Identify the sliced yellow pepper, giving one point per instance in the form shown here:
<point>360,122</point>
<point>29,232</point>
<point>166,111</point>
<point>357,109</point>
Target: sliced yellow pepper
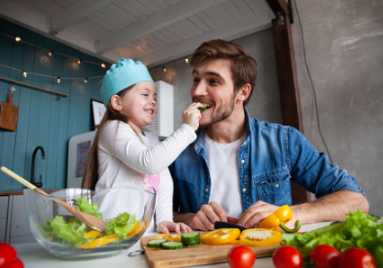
<point>98,242</point>
<point>169,237</point>
<point>93,234</point>
<point>260,237</point>
<point>221,236</point>
<point>282,214</point>
<point>136,229</point>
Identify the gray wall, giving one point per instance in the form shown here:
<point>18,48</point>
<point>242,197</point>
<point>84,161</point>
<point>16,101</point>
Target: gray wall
<point>344,48</point>
<point>343,41</point>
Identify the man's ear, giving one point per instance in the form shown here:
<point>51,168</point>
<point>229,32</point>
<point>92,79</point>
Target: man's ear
<point>244,92</point>
<point>115,101</point>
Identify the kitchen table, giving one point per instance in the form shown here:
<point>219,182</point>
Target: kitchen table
<point>34,256</point>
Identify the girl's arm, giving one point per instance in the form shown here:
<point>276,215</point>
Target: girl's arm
<point>119,139</point>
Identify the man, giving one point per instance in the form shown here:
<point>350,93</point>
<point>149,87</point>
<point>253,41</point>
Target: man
<point>239,168</point>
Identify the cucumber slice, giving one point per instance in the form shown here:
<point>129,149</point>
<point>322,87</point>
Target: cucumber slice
<point>172,245</point>
<point>156,243</point>
<point>191,238</point>
<point>202,108</point>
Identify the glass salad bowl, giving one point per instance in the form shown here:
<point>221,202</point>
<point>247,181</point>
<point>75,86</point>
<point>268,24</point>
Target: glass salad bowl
<point>127,211</point>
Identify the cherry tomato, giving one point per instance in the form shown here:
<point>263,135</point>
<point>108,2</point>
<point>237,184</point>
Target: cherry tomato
<point>356,258</point>
<point>7,254</point>
<point>325,256</point>
<point>287,257</point>
<point>17,264</point>
<point>241,257</point>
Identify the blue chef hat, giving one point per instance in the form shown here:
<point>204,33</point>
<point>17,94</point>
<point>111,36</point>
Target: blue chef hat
<point>122,75</point>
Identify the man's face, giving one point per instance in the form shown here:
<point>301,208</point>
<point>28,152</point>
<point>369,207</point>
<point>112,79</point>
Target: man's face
<point>213,85</point>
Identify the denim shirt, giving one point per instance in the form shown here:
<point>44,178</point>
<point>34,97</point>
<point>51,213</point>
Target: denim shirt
<point>271,157</point>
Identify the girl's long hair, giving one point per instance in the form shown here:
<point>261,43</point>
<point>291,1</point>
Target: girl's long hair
<point>90,178</point>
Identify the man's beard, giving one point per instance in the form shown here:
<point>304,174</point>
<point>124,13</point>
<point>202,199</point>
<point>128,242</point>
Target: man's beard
<point>222,113</point>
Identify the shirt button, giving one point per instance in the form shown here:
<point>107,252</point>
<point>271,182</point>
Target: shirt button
<point>244,190</point>
<point>206,190</point>
<point>242,161</point>
<point>277,185</point>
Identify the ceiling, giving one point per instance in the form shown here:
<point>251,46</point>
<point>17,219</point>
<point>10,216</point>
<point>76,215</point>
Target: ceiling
<point>152,31</point>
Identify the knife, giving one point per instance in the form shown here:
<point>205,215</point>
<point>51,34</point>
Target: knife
<point>222,224</point>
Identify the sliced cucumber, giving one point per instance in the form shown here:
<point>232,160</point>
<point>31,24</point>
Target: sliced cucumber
<point>172,245</point>
<point>191,238</point>
<point>156,243</point>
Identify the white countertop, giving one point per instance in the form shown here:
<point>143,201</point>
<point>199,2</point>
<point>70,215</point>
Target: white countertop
<point>34,256</point>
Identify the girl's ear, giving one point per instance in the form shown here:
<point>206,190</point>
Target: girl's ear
<point>115,101</point>
<point>244,92</point>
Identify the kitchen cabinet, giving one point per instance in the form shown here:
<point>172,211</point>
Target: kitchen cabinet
<point>3,217</point>
<point>14,227</point>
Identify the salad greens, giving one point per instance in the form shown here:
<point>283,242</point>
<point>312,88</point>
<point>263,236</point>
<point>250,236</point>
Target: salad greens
<point>358,230</point>
<point>74,231</point>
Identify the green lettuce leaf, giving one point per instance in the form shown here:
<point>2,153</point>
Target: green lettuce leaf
<point>84,206</point>
<point>121,225</point>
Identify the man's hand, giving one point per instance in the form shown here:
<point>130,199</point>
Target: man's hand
<point>255,214</point>
<point>205,218</point>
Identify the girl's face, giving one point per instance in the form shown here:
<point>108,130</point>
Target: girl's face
<point>139,105</point>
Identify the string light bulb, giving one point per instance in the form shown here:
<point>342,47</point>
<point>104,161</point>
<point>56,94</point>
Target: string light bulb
<point>164,69</point>
<point>50,53</point>
<point>58,80</point>
<point>86,80</point>
<point>102,65</point>
<point>186,60</point>
<point>18,39</point>
<point>25,73</point>
<point>79,61</point>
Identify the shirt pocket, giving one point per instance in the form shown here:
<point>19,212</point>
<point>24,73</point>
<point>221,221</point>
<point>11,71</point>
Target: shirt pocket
<point>274,187</point>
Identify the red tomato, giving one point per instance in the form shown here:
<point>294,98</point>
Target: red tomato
<point>287,257</point>
<point>17,264</point>
<point>241,257</point>
<point>356,258</point>
<point>7,254</point>
<point>325,256</point>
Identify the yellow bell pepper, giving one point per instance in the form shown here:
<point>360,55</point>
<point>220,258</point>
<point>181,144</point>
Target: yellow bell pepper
<point>260,237</point>
<point>169,237</point>
<point>93,234</point>
<point>98,242</point>
<point>282,214</point>
<point>136,229</point>
<point>221,236</point>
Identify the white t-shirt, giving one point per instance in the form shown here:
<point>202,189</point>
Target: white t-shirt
<point>128,159</point>
<point>222,160</point>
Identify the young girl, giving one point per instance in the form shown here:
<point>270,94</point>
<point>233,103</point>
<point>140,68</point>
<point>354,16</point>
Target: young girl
<point>124,154</point>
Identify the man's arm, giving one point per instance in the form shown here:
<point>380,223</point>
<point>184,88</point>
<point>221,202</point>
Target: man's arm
<point>331,207</point>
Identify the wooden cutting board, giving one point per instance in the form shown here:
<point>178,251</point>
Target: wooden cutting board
<point>192,256</point>
<point>8,114</point>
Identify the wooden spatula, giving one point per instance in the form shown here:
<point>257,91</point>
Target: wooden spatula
<point>88,219</point>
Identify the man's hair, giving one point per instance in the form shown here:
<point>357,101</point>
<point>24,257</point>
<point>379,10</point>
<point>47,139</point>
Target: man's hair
<point>243,67</point>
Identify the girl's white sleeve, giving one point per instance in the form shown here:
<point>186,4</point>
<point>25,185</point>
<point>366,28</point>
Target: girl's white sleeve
<point>164,206</point>
<point>120,139</point>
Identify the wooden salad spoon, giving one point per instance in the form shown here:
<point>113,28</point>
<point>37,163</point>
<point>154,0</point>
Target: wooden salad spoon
<point>90,220</point>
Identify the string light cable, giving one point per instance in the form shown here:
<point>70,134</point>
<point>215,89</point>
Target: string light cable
<point>311,81</point>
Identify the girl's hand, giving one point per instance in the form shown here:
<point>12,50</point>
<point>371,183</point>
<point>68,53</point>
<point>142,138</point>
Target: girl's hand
<point>167,226</point>
<point>192,115</point>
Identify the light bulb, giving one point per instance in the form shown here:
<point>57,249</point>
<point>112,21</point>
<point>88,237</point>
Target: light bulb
<point>58,80</point>
<point>186,60</point>
<point>79,61</point>
<point>86,80</point>
<point>18,39</point>
<point>102,65</point>
<point>50,53</point>
<point>164,69</point>
<point>24,73</point>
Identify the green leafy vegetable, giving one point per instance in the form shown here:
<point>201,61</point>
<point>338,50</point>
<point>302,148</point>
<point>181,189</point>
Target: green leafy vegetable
<point>84,206</point>
<point>358,230</point>
<point>121,225</point>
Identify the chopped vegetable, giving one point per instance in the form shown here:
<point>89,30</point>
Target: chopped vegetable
<point>282,214</point>
<point>191,238</point>
<point>169,237</point>
<point>298,226</point>
<point>98,242</point>
<point>121,225</point>
<point>156,243</point>
<point>221,236</point>
<point>84,206</point>
<point>358,230</point>
<point>260,237</point>
<point>172,245</point>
